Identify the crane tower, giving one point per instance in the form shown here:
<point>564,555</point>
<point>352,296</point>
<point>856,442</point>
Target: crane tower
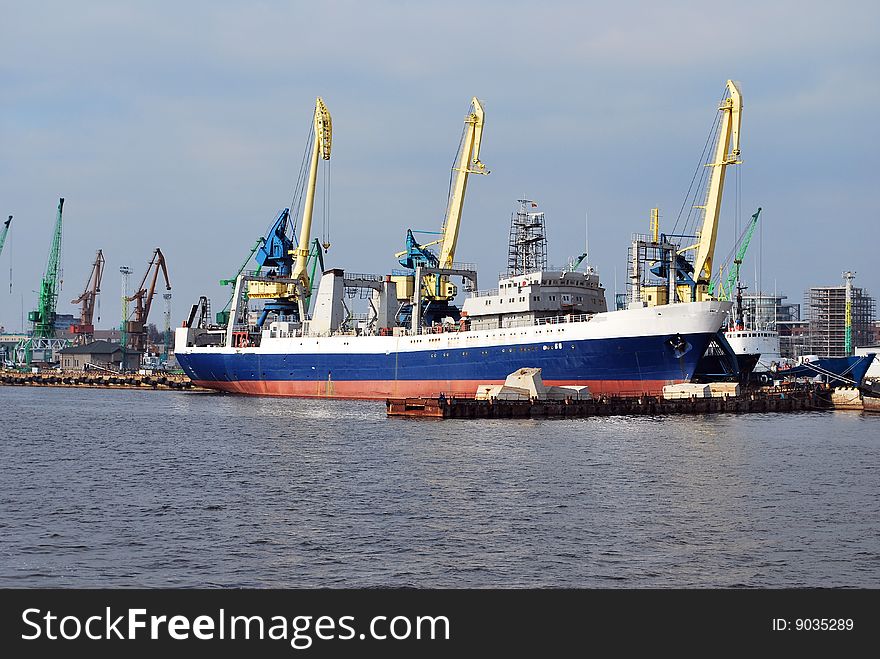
<point>85,329</point>
<point>136,325</point>
<point>42,344</point>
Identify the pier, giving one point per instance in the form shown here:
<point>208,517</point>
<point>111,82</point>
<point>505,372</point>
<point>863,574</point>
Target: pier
<point>167,381</point>
<point>777,400</point>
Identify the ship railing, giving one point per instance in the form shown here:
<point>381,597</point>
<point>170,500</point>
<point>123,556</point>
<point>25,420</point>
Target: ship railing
<point>548,273</point>
<point>583,268</point>
<point>433,329</point>
<point>485,293</point>
<point>570,318</point>
<point>364,276</point>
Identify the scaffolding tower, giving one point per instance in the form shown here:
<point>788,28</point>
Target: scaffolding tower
<point>827,317</point>
<point>527,250</point>
<point>648,265</point>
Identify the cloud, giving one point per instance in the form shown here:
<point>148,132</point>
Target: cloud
<point>181,125</point>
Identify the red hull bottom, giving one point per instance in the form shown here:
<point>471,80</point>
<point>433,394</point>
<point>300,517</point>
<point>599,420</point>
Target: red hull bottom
<point>381,389</point>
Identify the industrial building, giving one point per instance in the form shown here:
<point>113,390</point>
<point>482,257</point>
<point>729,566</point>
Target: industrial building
<point>765,311</point>
<point>99,354</point>
<point>827,318</point>
<point>794,338</point>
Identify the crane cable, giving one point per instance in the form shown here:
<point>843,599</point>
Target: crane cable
<point>297,199</point>
<point>10,250</point>
<point>325,229</point>
<point>710,140</point>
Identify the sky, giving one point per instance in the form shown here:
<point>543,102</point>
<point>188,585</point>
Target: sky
<point>182,126</point>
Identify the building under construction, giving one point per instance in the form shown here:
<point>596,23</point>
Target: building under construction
<point>827,317</point>
<point>527,250</point>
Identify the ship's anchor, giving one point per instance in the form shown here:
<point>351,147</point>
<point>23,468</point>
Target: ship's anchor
<point>678,345</point>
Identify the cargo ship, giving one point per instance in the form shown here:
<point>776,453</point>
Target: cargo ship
<point>414,340</point>
<point>617,352</point>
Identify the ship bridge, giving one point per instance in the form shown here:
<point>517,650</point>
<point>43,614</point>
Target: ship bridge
<point>528,298</point>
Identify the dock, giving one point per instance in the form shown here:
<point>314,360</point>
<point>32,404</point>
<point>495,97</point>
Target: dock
<point>165,381</point>
<point>793,400</point>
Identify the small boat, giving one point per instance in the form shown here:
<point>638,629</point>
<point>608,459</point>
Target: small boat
<point>835,371</point>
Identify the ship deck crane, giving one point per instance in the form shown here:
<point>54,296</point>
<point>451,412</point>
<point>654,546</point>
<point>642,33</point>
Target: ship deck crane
<point>725,289</point>
<point>223,315</point>
<point>435,289</point>
<point>316,258</point>
<point>136,328</point>
<point>321,148</point>
<point>84,331</point>
<point>285,294</point>
<point>288,262</point>
<point>469,163</point>
<point>727,152</point>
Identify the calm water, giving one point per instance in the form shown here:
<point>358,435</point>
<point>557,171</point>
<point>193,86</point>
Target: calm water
<point>129,488</point>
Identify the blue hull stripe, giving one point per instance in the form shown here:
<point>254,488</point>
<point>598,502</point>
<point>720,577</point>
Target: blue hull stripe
<point>636,358</point>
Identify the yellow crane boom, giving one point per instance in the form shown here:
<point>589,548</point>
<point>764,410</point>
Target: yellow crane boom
<point>321,147</point>
<point>468,163</point>
<point>726,153</point>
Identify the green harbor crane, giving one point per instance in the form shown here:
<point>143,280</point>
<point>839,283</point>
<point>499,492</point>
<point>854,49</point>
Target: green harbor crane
<point>42,337</point>
<point>316,258</point>
<point>727,289</point>
<point>4,232</point>
<point>223,315</point>
<point>2,242</point>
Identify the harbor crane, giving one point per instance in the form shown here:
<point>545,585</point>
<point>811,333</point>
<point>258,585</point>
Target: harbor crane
<point>272,253</point>
<point>4,232</point>
<point>435,290</point>
<point>44,316</point>
<point>42,344</point>
<point>223,315</point>
<point>321,147</point>
<point>727,153</point>
<point>136,325</point>
<point>468,163</point>
<point>725,289</point>
<point>84,331</point>
<point>287,285</point>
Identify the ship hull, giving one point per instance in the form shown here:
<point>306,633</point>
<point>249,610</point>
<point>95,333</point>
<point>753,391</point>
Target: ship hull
<point>612,354</point>
<point>836,371</point>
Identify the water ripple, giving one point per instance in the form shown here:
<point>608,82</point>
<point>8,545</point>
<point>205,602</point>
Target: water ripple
<point>127,489</point>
